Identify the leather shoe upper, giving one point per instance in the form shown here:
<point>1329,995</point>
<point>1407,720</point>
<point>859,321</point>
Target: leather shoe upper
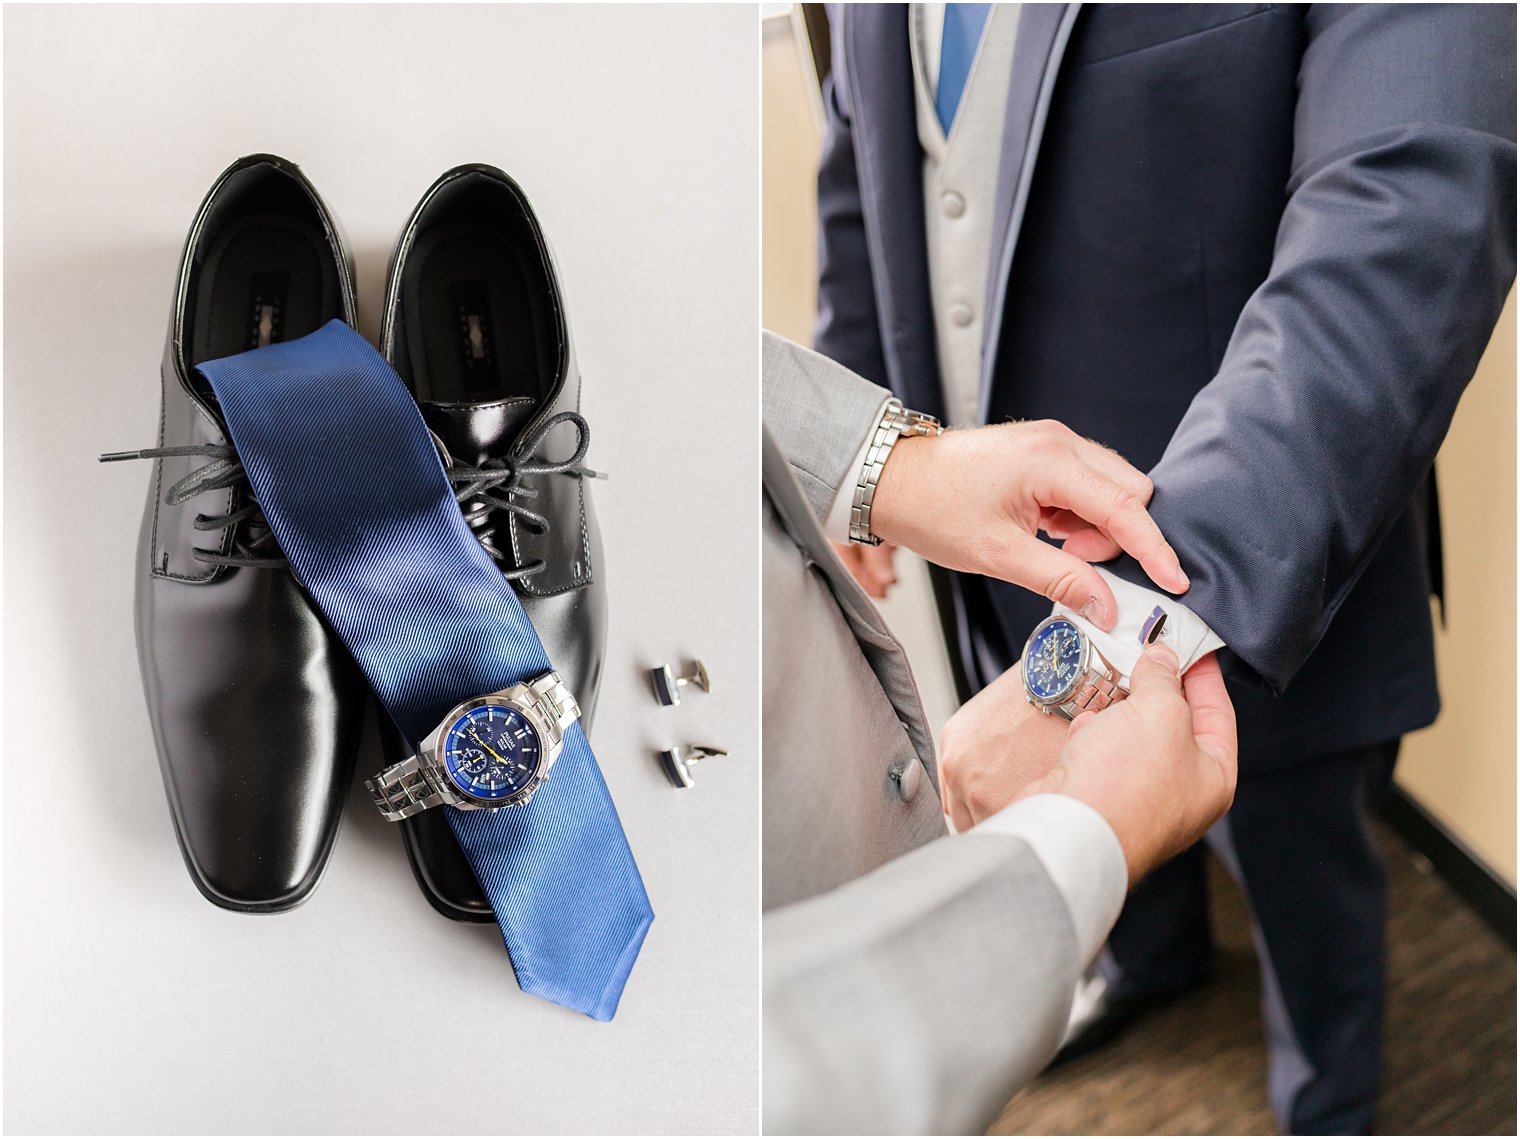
<point>256,707</point>
<point>475,325</point>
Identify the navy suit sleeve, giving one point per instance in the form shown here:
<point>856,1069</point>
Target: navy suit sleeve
<point>848,330</point>
<point>1394,255</point>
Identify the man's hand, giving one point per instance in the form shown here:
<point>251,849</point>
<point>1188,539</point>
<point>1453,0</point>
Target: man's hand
<point>871,566</point>
<point>1160,765</point>
<point>995,745</point>
<point>974,501</point>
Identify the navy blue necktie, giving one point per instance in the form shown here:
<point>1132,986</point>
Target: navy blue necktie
<point>342,466</point>
<point>963,31</point>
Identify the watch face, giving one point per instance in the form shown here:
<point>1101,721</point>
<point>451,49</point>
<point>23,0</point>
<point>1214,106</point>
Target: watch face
<point>492,752</point>
<point>1053,661</point>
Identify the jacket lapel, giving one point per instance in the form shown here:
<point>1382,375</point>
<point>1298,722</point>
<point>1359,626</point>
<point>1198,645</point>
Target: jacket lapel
<point>1044,30</point>
<point>887,151</point>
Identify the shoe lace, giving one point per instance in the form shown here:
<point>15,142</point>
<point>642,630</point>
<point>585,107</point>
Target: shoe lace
<point>255,548</point>
<point>495,484</point>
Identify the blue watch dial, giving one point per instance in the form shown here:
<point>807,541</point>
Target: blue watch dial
<point>492,752</point>
<point>1053,660</point>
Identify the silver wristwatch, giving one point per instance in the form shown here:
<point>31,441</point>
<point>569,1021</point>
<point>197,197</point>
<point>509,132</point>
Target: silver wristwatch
<point>490,752</point>
<point>895,423</point>
<point>1065,673</point>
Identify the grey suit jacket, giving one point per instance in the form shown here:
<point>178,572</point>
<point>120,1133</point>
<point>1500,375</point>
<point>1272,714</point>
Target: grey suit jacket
<point>913,980</point>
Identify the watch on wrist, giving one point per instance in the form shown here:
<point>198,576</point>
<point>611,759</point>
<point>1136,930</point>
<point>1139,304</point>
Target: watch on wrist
<point>1065,674</point>
<point>895,423</point>
<point>490,752</point>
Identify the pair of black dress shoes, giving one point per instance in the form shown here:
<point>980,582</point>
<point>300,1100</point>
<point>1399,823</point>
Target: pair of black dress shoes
<point>256,706</point>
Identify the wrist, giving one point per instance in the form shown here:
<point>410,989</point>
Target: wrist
<point>899,474</point>
<point>1059,782</point>
<point>893,426</point>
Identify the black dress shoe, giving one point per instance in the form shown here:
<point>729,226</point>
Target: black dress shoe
<point>256,707</point>
<point>1104,1016</point>
<point>475,324</point>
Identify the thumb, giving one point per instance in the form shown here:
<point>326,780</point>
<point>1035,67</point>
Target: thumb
<point>1156,674</point>
<point>1080,722</point>
<point>1213,714</point>
<point>1063,578</point>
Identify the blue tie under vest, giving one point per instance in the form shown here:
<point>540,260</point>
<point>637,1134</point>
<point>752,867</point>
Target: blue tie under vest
<point>347,475</point>
<point>964,24</point>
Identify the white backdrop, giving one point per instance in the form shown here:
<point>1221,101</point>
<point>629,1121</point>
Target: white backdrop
<point>131,1004</point>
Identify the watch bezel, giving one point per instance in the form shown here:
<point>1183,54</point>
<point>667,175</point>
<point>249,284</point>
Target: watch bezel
<point>1083,666</point>
<point>521,700</point>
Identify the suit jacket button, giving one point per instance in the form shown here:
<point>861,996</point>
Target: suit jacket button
<point>954,205</point>
<point>961,314</point>
<point>907,778</point>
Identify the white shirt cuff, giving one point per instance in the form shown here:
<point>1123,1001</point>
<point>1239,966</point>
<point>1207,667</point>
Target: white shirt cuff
<point>1079,851</point>
<point>1184,632</point>
<point>836,523</point>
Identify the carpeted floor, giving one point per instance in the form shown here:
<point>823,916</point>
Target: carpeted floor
<point>1198,1067</point>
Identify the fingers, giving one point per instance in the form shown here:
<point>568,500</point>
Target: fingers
<point>1092,495</point>
<point>958,813</point>
<point>1082,539</point>
<point>877,566</point>
<point>850,556</point>
<point>1115,466</point>
<point>1213,714</point>
<point>868,566</point>
<point>1091,545</point>
<point>1058,575</point>
<point>1155,676</point>
<point>1059,523</point>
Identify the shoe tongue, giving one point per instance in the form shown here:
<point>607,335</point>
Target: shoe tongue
<point>476,431</point>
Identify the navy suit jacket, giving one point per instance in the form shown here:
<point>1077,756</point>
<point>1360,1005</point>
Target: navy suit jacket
<point>1258,250</point>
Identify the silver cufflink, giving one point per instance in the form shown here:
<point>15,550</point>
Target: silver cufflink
<point>677,762</point>
<point>667,685</point>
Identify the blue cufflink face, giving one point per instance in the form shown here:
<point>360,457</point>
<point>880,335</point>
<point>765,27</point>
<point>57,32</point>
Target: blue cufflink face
<point>1154,627</point>
<point>1053,660</point>
<point>492,752</point>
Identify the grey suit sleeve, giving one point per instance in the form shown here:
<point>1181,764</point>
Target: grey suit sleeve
<point>819,413</point>
<point>918,998</point>
<point>1394,255</point>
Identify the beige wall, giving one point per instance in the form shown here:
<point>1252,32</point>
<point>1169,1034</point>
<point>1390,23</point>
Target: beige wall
<point>789,138</point>
<point>1462,768</point>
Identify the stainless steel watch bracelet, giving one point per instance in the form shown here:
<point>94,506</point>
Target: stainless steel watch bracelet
<point>1095,691</point>
<point>557,698</point>
<point>895,423</point>
<point>405,789</point>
